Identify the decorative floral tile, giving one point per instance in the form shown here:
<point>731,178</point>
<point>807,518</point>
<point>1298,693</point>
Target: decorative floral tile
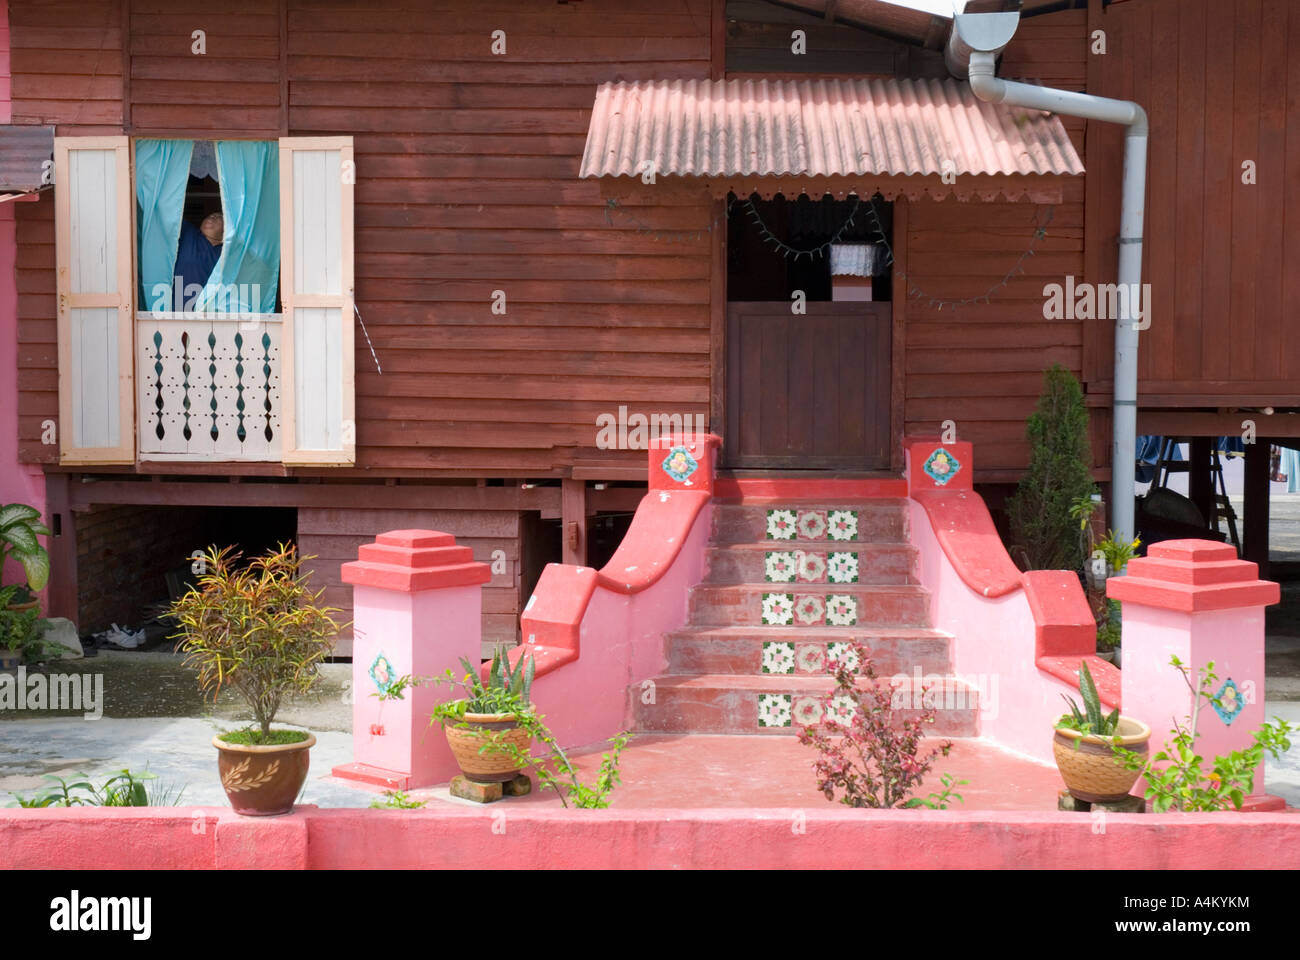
<point>1228,702</point>
<point>811,566</point>
<point>807,711</point>
<point>841,610</point>
<point>809,610</point>
<point>812,524</point>
<point>841,710</point>
<point>841,652</point>
<point>382,673</point>
<point>779,566</point>
<point>679,464</point>
<point>810,658</point>
<point>781,524</point>
<point>842,525</point>
<point>842,567</point>
<point>778,657</point>
<point>774,709</point>
<point>941,466</point>
<point>778,609</point>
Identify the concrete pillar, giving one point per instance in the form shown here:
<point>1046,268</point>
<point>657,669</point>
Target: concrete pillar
<point>1195,600</point>
<point>417,608</point>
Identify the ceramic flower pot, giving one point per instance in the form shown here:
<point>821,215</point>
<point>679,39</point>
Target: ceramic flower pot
<point>263,781</point>
<point>489,766</point>
<point>1089,767</point>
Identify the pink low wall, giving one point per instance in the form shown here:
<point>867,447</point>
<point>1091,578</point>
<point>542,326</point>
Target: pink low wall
<point>994,649</point>
<point>816,838</point>
<point>1018,637</point>
<point>596,635</point>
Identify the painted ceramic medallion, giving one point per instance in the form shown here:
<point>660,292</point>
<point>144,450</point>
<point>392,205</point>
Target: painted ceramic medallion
<point>941,466</point>
<point>679,464</point>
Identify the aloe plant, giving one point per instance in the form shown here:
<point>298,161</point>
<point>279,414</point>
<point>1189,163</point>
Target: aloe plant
<point>505,687</point>
<point>19,527</point>
<point>1090,720</point>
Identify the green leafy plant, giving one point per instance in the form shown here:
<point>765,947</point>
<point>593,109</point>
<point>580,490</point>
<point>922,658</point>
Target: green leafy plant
<point>1090,721</point>
<point>866,755</point>
<point>939,801</point>
<point>396,800</point>
<point>24,630</point>
<point>1082,509</point>
<point>256,628</point>
<point>508,692</point>
<point>1044,531</point>
<point>1176,777</point>
<point>122,789</point>
<point>19,527</point>
<point>1116,553</point>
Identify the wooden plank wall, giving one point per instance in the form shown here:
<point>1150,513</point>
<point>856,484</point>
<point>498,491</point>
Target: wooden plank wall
<point>467,184</point>
<point>1220,80</point>
<point>66,60</point>
<point>981,365</point>
<point>333,536</point>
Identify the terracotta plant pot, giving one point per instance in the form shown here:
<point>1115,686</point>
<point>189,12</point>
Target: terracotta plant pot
<point>491,766</point>
<point>263,781</point>
<point>1092,772</point>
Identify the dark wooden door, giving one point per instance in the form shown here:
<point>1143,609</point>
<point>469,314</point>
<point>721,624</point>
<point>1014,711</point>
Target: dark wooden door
<point>810,391</point>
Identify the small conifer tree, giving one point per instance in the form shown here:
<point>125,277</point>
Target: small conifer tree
<point>1044,536</point>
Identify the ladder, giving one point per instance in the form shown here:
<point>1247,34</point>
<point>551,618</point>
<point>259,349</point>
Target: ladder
<point>1221,506</point>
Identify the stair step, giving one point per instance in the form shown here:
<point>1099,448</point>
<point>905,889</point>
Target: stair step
<point>804,562</point>
<point>803,651</point>
<point>809,605</point>
<point>712,703</point>
<point>869,521</point>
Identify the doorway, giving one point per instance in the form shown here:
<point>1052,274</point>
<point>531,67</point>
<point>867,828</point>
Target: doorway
<point>809,329</point>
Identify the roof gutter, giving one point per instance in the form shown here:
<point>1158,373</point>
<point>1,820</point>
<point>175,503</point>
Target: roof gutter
<point>973,47</point>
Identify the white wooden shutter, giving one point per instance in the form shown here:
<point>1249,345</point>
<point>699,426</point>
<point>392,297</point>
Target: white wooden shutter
<point>318,405</point>
<point>92,229</point>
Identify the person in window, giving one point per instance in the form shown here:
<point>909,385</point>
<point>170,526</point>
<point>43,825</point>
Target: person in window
<point>197,253</point>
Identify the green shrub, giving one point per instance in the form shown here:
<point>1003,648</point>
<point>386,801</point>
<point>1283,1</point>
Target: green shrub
<point>1044,532</point>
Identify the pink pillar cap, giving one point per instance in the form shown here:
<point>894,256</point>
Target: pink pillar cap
<point>1191,576</point>
<point>407,561</point>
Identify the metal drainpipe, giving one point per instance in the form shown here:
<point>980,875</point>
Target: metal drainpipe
<point>988,87</point>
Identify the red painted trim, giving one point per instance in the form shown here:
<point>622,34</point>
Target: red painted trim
<point>1065,632</point>
<point>965,531</point>
<point>1188,598</point>
<point>86,838</point>
<point>653,541</point>
<point>376,776</point>
<point>1104,675</point>
<point>407,561</point>
<point>1191,576</point>
<point>747,489</point>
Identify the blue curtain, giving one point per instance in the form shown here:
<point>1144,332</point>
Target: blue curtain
<point>246,276</point>
<point>162,171</point>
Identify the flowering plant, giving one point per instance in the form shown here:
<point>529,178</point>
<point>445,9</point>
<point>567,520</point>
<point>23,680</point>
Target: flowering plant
<point>867,756</point>
<point>1180,782</point>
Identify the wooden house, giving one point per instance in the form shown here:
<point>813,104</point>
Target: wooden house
<point>499,232</point>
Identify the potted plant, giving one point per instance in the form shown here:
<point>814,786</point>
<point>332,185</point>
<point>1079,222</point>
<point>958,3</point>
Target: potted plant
<point>258,629</point>
<point>22,632</point>
<point>487,709</point>
<point>1084,746</point>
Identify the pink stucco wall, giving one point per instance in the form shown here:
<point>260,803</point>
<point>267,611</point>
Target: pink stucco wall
<point>994,649</point>
<point>830,837</point>
<point>19,483</point>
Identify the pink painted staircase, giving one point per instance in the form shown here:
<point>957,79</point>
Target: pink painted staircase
<point>790,582</point>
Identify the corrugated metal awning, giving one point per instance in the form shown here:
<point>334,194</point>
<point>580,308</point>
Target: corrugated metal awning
<point>818,128</point>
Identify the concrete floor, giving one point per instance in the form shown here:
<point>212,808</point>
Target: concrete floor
<point>154,721</point>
